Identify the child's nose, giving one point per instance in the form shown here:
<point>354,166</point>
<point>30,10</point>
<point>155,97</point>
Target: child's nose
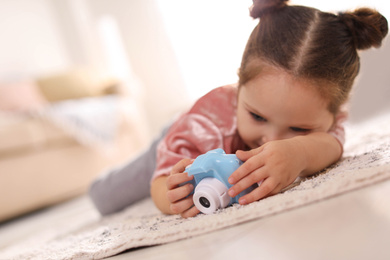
<point>272,136</point>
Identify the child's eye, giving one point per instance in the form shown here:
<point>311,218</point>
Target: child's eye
<point>300,130</point>
<point>257,117</point>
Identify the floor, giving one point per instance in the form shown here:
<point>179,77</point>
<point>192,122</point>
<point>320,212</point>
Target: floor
<point>355,225</point>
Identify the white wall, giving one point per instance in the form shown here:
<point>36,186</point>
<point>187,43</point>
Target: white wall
<point>371,94</point>
<point>150,54</point>
<point>30,42</point>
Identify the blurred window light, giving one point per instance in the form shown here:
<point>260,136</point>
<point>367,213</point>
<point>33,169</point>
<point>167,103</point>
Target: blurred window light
<point>115,53</point>
<point>208,38</point>
<point>113,46</point>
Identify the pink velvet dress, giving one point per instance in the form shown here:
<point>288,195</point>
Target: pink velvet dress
<point>211,123</point>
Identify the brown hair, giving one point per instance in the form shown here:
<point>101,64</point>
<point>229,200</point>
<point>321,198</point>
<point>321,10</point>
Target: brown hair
<point>312,44</point>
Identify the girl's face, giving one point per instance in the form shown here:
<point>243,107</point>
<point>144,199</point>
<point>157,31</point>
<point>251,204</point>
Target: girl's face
<point>276,106</point>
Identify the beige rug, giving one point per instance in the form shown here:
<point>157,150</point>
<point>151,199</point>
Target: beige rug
<point>366,162</point>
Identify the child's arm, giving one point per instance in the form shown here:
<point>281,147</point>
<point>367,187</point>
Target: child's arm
<point>279,163</point>
<point>170,197</point>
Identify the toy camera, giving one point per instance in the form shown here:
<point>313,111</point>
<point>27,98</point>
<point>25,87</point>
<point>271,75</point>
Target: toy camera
<point>211,172</point>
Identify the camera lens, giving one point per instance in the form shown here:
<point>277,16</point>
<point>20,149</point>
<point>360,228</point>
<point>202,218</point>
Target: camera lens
<point>204,202</point>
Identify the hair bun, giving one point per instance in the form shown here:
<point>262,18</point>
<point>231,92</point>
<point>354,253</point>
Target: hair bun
<point>368,27</point>
<point>261,6</point>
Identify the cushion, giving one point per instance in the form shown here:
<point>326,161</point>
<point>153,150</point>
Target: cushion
<point>23,95</point>
<point>77,83</point>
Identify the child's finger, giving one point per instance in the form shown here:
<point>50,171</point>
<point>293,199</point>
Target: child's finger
<point>179,193</point>
<point>245,155</point>
<point>268,187</point>
<point>182,205</point>
<point>175,180</point>
<point>192,212</point>
<point>255,177</point>
<point>181,166</point>
<point>246,168</point>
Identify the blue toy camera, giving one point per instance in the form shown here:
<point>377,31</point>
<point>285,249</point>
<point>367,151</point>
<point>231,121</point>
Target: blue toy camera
<point>211,172</point>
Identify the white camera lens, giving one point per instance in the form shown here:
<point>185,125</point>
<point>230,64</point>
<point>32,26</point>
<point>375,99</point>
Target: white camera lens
<point>210,194</point>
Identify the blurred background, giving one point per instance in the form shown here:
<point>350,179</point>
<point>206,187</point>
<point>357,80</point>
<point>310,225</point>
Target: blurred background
<point>86,84</point>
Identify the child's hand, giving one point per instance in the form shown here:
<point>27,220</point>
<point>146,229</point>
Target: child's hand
<point>277,164</point>
<point>178,196</point>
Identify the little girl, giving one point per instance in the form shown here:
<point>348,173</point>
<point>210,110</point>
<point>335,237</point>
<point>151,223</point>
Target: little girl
<point>283,118</point>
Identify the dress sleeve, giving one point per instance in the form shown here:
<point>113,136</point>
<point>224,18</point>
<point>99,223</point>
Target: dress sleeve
<point>338,129</point>
<point>191,135</point>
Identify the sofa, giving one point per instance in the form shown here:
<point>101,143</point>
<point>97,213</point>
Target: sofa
<point>58,133</point>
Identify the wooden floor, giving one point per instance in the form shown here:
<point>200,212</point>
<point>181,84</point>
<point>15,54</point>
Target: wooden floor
<point>355,225</point>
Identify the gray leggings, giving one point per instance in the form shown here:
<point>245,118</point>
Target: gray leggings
<point>121,187</point>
